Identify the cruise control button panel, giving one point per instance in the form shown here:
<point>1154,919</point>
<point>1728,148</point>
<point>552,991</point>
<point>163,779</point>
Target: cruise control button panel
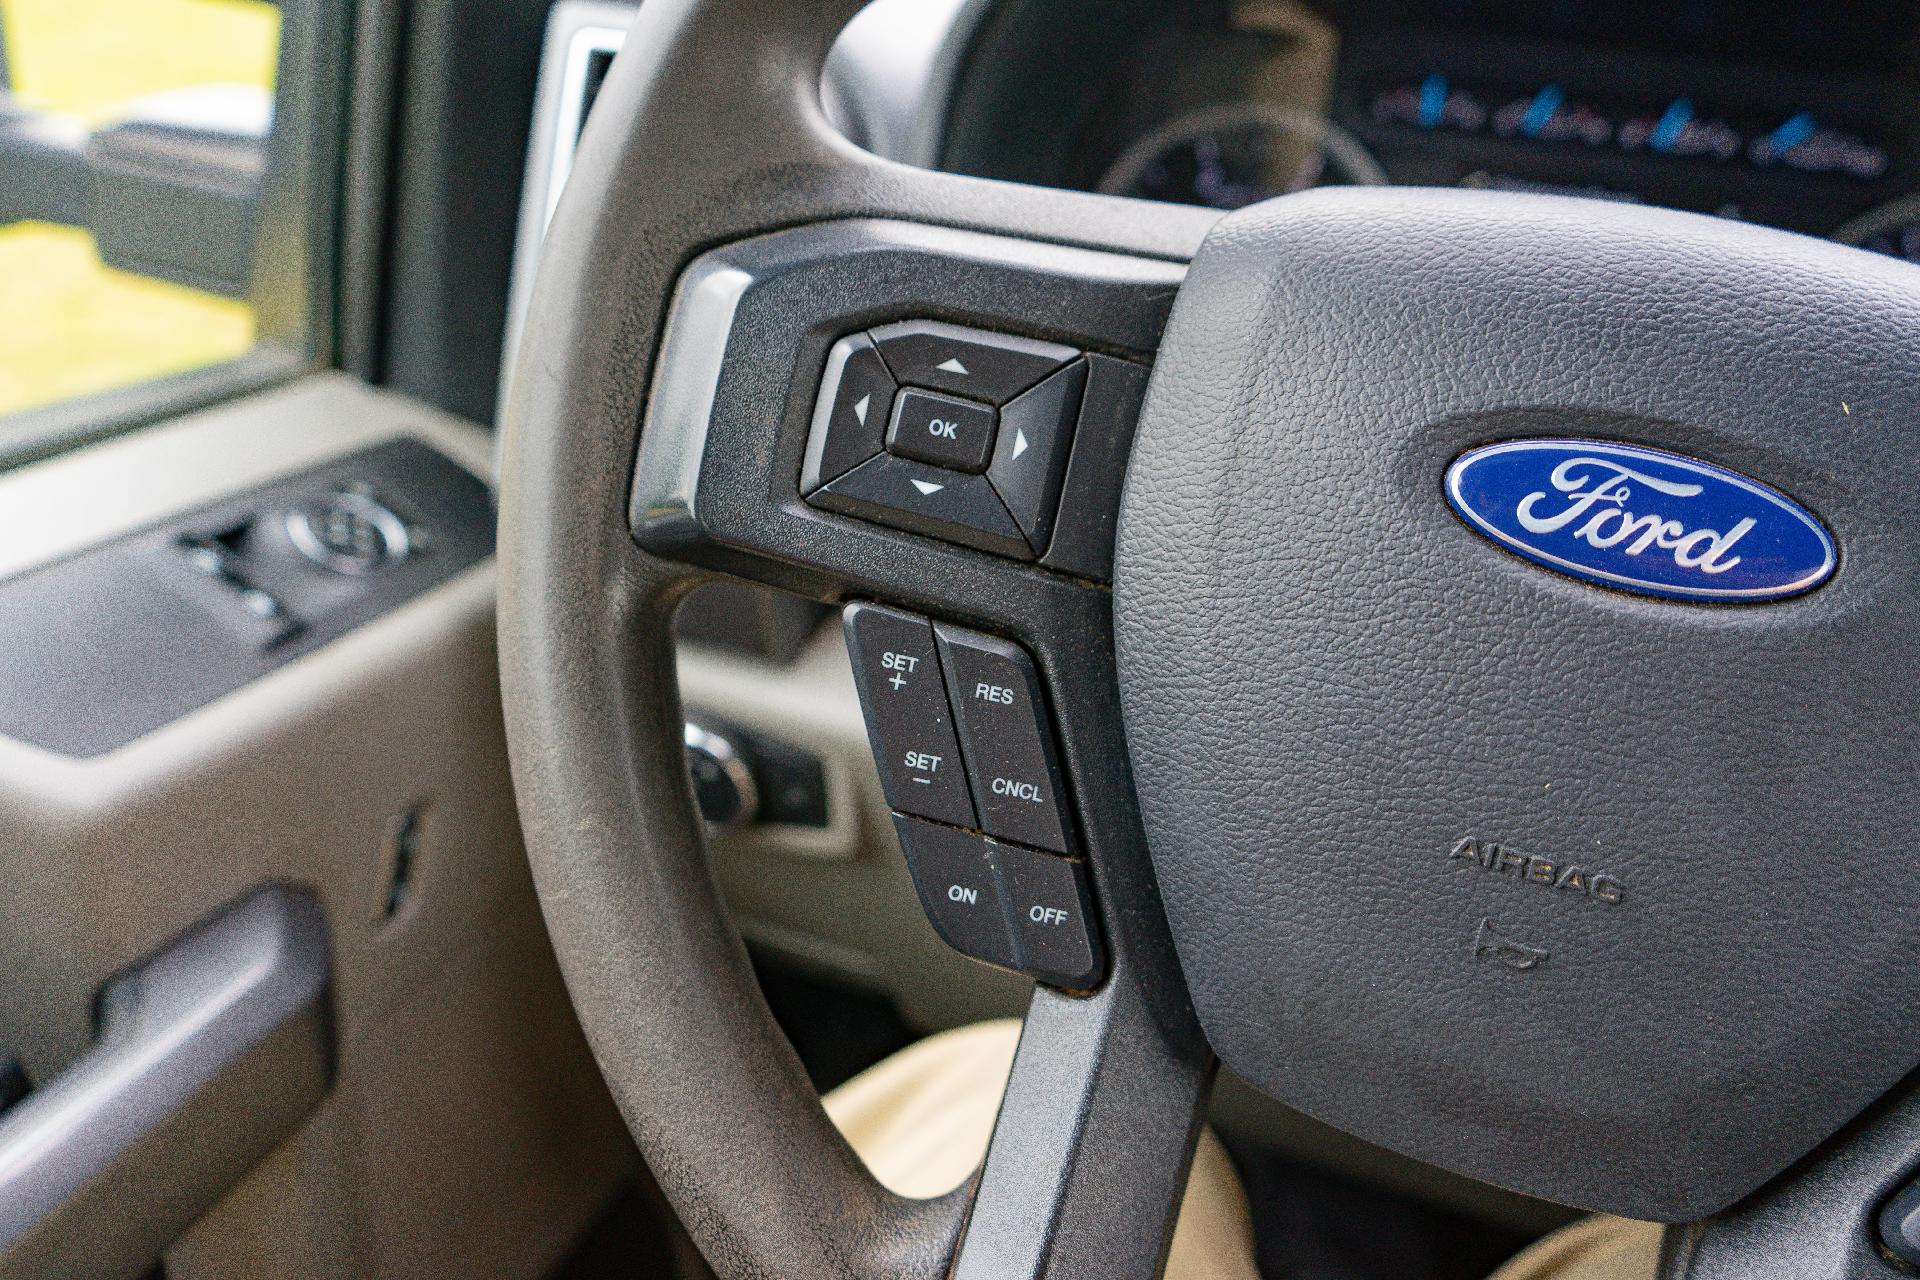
<point>1002,890</point>
<point>967,436</point>
<point>996,700</point>
<point>904,697</point>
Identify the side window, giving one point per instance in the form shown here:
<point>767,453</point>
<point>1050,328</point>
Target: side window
<point>141,164</point>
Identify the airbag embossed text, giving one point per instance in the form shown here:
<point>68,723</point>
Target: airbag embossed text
<point>1568,877</point>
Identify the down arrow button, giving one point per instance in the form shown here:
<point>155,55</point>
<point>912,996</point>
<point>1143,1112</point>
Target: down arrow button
<point>1030,455</point>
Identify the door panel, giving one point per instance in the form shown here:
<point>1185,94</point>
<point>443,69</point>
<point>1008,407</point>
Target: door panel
<point>467,1132</point>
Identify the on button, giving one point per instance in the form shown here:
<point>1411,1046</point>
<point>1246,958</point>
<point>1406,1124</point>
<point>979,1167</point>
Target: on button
<point>958,890</point>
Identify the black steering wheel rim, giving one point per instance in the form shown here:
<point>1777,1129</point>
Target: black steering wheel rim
<point>1113,1086</point>
<point>713,1093</point>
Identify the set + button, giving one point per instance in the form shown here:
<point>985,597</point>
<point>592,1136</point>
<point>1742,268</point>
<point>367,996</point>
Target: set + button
<point>905,702</point>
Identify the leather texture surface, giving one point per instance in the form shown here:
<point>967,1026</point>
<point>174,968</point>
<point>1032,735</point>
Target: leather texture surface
<point>1329,681</point>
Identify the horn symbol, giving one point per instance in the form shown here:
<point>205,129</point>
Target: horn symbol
<point>1490,944</point>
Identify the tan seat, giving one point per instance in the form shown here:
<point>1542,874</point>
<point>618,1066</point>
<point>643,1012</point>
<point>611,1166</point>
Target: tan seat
<point>922,1118</point>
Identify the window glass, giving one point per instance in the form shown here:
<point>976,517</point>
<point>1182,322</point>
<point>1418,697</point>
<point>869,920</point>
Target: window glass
<point>133,146</point>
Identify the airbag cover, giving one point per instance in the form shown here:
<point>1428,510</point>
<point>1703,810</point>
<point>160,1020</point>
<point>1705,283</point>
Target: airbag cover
<point>1607,898</point>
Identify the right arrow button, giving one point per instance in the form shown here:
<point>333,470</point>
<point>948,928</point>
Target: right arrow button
<point>1030,454</point>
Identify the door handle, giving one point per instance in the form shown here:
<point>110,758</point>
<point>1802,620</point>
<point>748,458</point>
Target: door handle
<point>210,1054</point>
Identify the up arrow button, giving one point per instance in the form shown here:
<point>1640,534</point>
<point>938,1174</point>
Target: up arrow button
<point>990,367</point>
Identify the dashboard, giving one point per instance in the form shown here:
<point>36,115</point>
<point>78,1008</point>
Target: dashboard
<point>1794,115</point>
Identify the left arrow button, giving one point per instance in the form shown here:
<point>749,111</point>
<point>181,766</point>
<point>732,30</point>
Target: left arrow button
<point>850,414</point>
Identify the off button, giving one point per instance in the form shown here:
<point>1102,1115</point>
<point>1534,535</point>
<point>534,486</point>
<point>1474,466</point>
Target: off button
<point>1051,915</point>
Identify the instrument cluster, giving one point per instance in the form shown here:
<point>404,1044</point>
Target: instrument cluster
<point>1801,117</point>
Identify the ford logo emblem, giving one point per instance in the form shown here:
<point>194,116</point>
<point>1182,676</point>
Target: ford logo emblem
<point>1641,520</point>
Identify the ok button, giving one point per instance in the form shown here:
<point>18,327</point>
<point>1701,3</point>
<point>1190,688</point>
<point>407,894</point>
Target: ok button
<point>945,431</point>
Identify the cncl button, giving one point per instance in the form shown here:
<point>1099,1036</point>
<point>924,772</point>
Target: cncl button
<point>1004,736</point>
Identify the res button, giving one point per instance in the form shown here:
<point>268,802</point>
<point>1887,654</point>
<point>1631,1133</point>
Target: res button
<point>1003,730</point>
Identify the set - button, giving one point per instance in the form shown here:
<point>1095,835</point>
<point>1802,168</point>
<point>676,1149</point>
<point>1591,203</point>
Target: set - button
<point>991,866</point>
<point>905,701</point>
<point>957,433</point>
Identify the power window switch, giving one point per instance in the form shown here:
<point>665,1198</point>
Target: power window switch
<point>954,876</point>
<point>1050,912</point>
<point>897,671</point>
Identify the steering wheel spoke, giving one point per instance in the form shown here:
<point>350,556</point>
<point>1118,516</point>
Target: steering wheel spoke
<point>833,265</point>
<point>984,635</point>
<point>955,392</point>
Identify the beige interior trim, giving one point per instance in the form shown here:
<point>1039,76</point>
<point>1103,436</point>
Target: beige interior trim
<point>468,1132</point>
<point>922,1118</point>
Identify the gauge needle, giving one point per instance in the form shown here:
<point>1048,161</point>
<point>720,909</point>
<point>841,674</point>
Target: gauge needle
<point>1795,131</point>
<point>1541,109</point>
<point>1433,100</point>
<point>1674,119</point>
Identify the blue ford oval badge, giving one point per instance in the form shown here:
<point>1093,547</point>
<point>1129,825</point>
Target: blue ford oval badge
<point>1641,520</point>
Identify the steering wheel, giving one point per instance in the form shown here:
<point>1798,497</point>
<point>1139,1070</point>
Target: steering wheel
<point>1587,880</point>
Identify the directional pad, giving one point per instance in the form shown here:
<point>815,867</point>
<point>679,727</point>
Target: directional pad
<point>946,403</point>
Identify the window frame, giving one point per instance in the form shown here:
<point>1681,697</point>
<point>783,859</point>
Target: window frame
<point>292,289</point>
